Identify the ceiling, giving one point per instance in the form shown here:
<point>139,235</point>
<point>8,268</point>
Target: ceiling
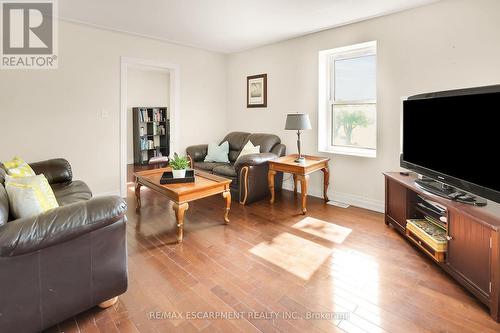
<point>226,25</point>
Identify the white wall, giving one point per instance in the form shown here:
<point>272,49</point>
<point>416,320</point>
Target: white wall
<point>446,45</point>
<point>145,88</point>
<point>57,113</point>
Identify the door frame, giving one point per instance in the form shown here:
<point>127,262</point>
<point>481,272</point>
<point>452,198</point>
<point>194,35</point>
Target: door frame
<point>174,108</point>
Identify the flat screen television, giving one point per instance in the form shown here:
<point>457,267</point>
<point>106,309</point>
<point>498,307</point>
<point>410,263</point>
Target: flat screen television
<point>454,137</point>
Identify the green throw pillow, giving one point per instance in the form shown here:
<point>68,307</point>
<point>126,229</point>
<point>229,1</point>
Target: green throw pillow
<point>218,153</point>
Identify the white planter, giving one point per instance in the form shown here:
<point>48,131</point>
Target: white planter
<point>179,173</point>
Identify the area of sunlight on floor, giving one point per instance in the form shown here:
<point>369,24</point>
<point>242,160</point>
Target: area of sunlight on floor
<point>329,231</point>
<point>294,254</point>
<point>355,282</point>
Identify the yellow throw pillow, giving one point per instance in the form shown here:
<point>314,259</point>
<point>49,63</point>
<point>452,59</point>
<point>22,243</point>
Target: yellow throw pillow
<point>18,168</point>
<point>29,196</point>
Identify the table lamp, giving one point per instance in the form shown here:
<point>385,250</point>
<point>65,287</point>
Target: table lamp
<point>298,122</point>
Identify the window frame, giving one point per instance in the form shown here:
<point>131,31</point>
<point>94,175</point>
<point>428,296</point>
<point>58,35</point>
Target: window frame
<point>326,98</point>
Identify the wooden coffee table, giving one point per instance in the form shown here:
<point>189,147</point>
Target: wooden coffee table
<point>205,185</point>
<point>300,173</point>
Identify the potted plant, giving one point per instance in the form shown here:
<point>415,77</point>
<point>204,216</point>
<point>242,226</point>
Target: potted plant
<point>179,165</point>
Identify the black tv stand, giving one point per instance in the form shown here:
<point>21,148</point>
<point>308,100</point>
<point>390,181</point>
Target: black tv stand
<point>443,190</point>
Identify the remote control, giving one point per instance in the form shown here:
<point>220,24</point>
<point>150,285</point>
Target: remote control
<point>466,197</point>
<point>455,195</point>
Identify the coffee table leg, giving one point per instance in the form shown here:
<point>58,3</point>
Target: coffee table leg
<point>303,191</point>
<point>138,196</point>
<point>270,181</point>
<point>179,215</point>
<point>326,181</point>
<point>227,196</point>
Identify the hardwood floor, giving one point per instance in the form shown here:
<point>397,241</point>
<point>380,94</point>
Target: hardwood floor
<point>271,260</point>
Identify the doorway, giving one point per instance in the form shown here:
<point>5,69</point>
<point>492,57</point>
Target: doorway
<point>152,86</point>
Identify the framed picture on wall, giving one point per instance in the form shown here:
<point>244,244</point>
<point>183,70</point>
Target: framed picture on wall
<point>257,91</point>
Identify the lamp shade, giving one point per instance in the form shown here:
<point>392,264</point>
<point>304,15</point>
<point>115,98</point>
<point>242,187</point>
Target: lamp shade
<point>297,121</point>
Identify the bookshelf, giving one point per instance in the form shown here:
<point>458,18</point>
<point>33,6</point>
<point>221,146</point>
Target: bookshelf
<point>151,126</point>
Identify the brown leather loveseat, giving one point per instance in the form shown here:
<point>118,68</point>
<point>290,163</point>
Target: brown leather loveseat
<point>248,173</point>
<point>64,261</point>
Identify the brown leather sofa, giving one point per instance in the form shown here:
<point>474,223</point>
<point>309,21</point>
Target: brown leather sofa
<point>64,261</point>
<point>248,173</point>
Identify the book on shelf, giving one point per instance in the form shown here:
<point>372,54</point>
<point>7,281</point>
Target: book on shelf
<point>157,153</point>
<point>143,115</point>
<point>156,141</point>
<point>152,115</point>
<point>147,144</point>
<point>157,115</point>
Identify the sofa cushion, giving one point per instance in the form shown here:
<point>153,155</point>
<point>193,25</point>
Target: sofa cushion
<point>207,166</point>
<point>265,141</point>
<point>4,206</point>
<point>236,142</point>
<point>226,170</point>
<point>71,192</point>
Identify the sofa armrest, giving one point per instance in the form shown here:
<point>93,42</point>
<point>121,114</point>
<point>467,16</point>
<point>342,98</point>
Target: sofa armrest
<point>57,170</point>
<point>59,225</point>
<point>254,160</point>
<point>197,152</point>
<point>279,149</point>
<point>2,174</point>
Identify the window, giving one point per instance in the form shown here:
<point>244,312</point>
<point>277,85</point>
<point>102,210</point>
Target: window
<point>348,100</point>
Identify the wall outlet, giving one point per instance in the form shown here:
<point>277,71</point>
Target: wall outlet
<point>104,113</point>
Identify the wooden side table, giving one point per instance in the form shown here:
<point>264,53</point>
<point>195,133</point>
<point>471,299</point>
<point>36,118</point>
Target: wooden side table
<point>300,173</point>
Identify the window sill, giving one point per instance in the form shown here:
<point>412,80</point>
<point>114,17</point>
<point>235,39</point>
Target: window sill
<point>350,151</point>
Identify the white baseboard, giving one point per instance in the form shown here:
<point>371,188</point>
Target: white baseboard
<point>351,199</point>
<point>358,201</point>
